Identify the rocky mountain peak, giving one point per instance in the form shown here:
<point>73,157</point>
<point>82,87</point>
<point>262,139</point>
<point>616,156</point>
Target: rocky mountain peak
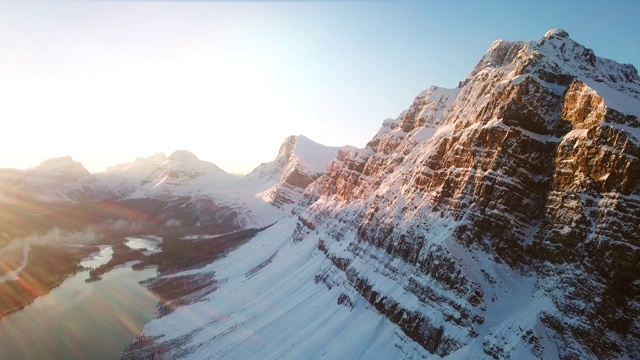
<point>57,179</point>
<point>533,84</point>
<point>183,156</point>
<point>286,150</point>
<point>58,162</point>
<point>300,162</point>
<point>517,168</point>
<point>300,150</point>
<point>64,165</point>
<point>427,109</point>
<point>555,59</point>
<point>556,33</point>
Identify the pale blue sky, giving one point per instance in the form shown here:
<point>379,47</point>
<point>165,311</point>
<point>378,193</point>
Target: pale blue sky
<point>106,82</point>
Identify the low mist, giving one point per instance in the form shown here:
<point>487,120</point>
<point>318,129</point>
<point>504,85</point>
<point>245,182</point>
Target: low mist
<point>57,236</point>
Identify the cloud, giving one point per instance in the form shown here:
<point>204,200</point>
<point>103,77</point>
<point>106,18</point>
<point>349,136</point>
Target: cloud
<point>125,227</point>
<point>88,235</point>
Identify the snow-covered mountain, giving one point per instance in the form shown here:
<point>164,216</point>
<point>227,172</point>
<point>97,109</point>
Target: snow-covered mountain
<point>272,189</point>
<point>180,174</point>
<point>495,220</point>
<point>158,176</point>
<point>126,179</point>
<point>300,161</point>
<point>260,198</point>
<point>54,180</point>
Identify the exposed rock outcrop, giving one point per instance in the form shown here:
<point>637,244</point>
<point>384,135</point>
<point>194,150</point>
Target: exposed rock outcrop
<point>532,174</point>
<point>300,161</point>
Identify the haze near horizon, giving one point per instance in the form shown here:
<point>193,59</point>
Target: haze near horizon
<point>106,82</point>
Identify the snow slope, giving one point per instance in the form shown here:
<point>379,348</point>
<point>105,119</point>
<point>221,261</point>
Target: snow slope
<point>495,220</point>
<point>269,306</point>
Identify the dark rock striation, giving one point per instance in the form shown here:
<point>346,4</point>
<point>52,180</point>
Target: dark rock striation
<point>521,185</point>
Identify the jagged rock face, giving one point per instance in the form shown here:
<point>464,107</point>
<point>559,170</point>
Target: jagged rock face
<point>300,162</point>
<point>591,222</point>
<point>528,171</point>
<point>291,179</point>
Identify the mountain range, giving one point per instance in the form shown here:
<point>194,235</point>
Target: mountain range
<point>270,190</point>
<point>496,220</point>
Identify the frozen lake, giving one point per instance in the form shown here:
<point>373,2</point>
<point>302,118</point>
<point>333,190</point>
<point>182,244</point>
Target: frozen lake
<point>80,320</point>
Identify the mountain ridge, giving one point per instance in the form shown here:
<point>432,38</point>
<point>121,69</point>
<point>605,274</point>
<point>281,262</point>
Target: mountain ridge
<point>482,222</point>
<point>257,199</point>
<point>490,174</point>
<point>495,220</point>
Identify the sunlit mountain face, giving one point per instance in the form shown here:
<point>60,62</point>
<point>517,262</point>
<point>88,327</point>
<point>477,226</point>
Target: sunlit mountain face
<point>480,223</point>
<point>497,219</point>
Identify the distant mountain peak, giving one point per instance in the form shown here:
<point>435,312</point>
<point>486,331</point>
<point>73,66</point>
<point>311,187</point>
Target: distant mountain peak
<point>57,162</point>
<point>300,161</point>
<point>306,152</point>
<point>183,155</point>
<point>286,149</point>
<point>159,156</point>
<point>64,165</point>
<point>556,33</point>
